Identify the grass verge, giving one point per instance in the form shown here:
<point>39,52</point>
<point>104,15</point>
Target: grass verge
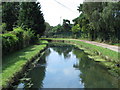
<point>112,55</point>
<point>14,62</point>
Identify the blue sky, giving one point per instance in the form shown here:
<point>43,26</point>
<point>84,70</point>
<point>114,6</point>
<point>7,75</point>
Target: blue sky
<point>53,10</point>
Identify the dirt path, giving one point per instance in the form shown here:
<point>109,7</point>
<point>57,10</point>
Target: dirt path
<point>111,47</point>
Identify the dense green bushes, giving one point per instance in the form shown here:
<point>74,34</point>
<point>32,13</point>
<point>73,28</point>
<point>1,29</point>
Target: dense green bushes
<point>15,14</point>
<point>17,39</point>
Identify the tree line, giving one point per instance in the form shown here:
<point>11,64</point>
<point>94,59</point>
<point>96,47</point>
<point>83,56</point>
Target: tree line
<point>22,25</point>
<point>23,14</point>
<point>97,21</point>
<point>60,31</point>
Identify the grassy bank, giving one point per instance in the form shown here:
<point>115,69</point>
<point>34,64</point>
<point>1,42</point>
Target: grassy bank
<point>14,62</point>
<point>93,48</point>
<point>105,56</point>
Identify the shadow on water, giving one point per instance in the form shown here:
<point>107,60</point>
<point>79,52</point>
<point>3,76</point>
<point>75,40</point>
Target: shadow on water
<point>65,66</point>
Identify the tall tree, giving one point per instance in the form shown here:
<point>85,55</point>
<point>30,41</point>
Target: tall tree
<point>30,16</point>
<point>100,20</point>
<point>10,14</point>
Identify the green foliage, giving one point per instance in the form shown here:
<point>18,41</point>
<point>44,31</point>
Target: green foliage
<point>10,14</point>
<point>23,14</point>
<point>17,39</point>
<point>47,30</point>
<point>29,37</point>
<point>99,21</point>
<point>83,24</point>
<point>18,32</point>
<point>60,31</point>
<point>76,29</point>
<point>54,31</point>
<point>30,16</point>
<point>8,42</point>
<point>3,27</point>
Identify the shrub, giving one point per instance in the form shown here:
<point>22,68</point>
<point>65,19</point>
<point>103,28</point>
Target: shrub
<point>19,33</point>
<point>17,39</point>
<point>28,35</point>
<point>9,42</point>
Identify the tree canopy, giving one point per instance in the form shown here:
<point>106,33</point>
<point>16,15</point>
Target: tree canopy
<point>99,21</point>
<point>23,14</point>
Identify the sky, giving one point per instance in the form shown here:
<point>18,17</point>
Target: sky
<point>55,11</point>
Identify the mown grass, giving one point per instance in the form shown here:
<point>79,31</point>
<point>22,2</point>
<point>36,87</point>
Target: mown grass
<point>104,51</point>
<point>105,56</point>
<point>14,62</point>
<point>114,56</point>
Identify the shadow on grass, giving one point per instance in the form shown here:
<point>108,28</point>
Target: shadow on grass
<point>12,58</point>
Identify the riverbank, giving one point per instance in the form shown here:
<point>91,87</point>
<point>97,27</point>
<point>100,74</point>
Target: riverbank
<point>111,47</point>
<point>14,64</point>
<point>105,56</point>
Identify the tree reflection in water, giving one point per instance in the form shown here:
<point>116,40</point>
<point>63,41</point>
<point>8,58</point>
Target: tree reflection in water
<point>64,49</point>
<point>91,73</point>
<point>37,74</point>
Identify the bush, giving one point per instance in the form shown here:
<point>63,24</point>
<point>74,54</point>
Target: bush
<point>28,37</point>
<point>9,42</point>
<point>17,39</point>
<point>19,33</point>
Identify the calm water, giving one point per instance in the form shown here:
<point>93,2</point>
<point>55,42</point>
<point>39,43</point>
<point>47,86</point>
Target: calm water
<point>65,66</point>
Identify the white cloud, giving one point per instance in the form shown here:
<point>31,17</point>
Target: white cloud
<point>53,11</point>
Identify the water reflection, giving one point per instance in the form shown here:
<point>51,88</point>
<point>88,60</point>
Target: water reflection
<point>37,74</point>
<point>94,75</point>
<point>63,49</point>
<point>64,66</point>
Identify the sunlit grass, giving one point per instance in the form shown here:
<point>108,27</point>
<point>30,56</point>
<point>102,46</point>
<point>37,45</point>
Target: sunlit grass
<point>104,51</point>
<point>113,55</point>
<point>14,62</point>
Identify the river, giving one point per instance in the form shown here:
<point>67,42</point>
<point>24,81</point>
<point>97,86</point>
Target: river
<point>65,66</point>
